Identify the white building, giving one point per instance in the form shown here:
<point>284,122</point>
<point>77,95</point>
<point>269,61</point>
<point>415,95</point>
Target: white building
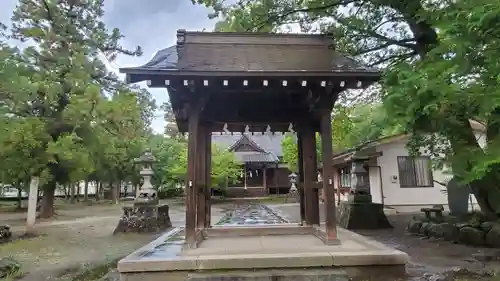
<point>395,178</point>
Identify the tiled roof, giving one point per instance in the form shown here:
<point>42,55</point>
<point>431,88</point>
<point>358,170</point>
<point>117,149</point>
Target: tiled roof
<point>256,157</point>
<point>231,57</point>
<point>163,59</point>
<point>252,52</point>
<point>245,140</point>
<point>269,143</point>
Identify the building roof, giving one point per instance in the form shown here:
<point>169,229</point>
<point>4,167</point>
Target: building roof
<point>251,52</point>
<point>256,157</point>
<point>267,147</point>
<point>350,153</point>
<point>244,140</point>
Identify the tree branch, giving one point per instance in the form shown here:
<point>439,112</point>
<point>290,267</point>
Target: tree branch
<point>372,33</point>
<point>383,46</point>
<point>278,18</point>
<point>399,57</point>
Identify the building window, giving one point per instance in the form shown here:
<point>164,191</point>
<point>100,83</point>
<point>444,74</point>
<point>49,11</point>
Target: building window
<point>415,171</point>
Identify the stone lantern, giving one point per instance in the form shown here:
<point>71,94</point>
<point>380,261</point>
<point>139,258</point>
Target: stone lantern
<point>359,211</point>
<point>360,187</point>
<point>146,215</point>
<point>293,181</point>
<point>147,194</point>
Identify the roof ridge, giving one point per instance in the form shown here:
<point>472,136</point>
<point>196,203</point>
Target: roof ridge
<point>253,144</point>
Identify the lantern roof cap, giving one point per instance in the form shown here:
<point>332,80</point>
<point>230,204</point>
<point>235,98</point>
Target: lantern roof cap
<point>146,157</point>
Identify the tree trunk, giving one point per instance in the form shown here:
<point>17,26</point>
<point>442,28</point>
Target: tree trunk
<point>115,192</point>
<point>98,191</point>
<point>72,193</point>
<point>77,186</point>
<point>47,203</point>
<point>19,197</point>
<point>86,191</point>
<point>67,191</point>
<point>487,194</point>
<point>463,142</point>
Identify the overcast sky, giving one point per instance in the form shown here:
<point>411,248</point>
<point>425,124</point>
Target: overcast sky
<point>152,24</point>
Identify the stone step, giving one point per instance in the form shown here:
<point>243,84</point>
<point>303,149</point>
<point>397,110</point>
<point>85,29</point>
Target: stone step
<point>309,274</point>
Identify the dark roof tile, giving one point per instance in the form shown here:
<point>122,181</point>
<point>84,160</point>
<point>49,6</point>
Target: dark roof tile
<point>271,52</point>
<point>239,57</point>
<point>256,157</point>
<point>163,59</point>
<point>269,143</point>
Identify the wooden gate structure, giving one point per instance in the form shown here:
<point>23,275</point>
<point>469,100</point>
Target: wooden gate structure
<point>269,82</point>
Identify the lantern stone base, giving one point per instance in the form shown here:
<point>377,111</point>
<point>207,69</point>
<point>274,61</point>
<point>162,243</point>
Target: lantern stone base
<point>359,214</point>
<point>144,218</point>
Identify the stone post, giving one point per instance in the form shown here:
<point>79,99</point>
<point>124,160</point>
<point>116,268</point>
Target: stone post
<point>32,202</point>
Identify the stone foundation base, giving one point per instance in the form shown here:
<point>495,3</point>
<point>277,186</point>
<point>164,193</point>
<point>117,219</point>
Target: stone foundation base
<point>144,218</point>
<point>353,215</point>
<point>271,275</point>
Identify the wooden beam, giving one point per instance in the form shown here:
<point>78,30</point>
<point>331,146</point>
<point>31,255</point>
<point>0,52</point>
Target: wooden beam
<point>328,177</point>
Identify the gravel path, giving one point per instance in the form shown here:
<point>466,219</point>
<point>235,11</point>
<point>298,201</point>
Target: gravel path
<point>430,259</point>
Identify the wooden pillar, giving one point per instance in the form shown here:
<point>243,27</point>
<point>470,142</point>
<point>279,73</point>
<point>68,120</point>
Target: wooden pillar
<point>300,169</point>
<point>264,179</point>
<point>310,176</point>
<point>275,179</point>
<point>201,175</point>
<point>191,179</point>
<point>315,189</point>
<point>245,175</point>
<point>208,190</point>
<point>328,177</point>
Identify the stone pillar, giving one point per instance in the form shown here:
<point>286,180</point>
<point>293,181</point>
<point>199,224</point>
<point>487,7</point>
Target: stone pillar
<point>208,190</point>
<point>328,181</point>
<point>300,168</point>
<point>310,176</point>
<point>201,177</point>
<point>191,179</point>
<point>32,202</point>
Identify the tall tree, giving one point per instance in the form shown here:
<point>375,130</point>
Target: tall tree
<point>64,84</point>
<point>170,154</point>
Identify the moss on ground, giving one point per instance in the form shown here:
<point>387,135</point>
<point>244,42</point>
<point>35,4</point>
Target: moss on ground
<point>88,272</point>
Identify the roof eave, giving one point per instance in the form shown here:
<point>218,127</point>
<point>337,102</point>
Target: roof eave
<point>178,72</point>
